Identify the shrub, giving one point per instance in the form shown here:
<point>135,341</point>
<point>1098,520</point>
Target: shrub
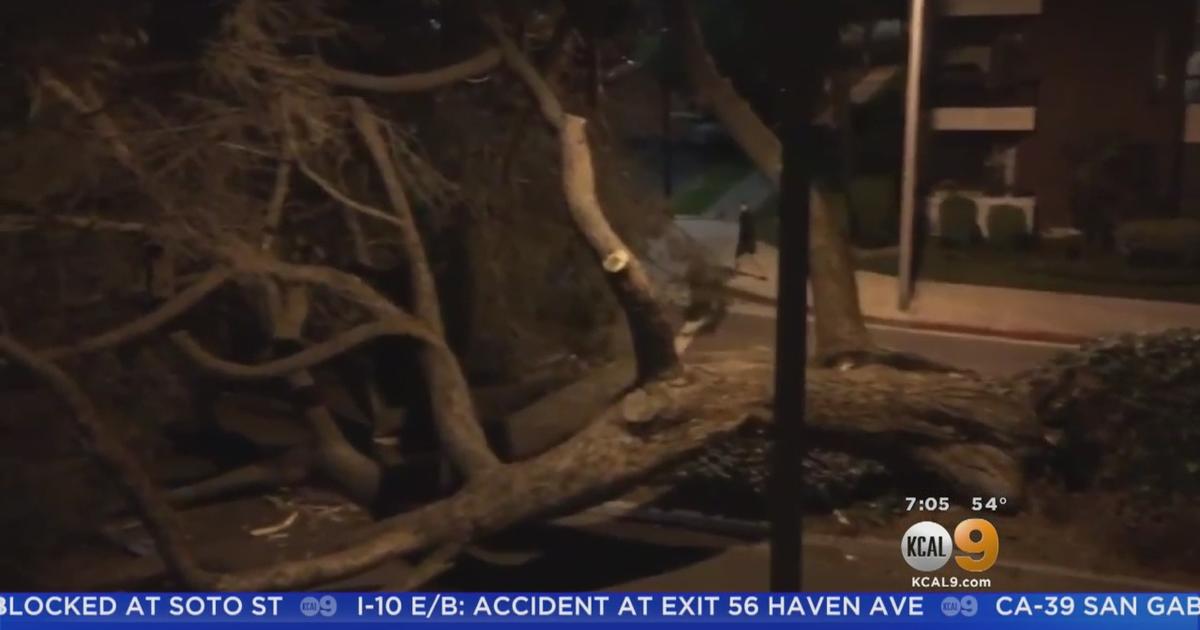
<point>1128,410</point>
<point>1007,228</point>
<point>957,218</point>
<point>1160,240</point>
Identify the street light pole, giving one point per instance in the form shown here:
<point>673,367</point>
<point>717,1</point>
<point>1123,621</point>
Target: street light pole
<point>912,136</point>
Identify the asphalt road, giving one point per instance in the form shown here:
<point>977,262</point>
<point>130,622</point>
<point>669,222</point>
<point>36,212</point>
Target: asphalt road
<point>748,326</point>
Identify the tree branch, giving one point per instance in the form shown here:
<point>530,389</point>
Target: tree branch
<point>453,410</point>
<point>345,199</point>
<point>161,316</point>
<point>481,63</point>
<point>274,216</point>
<point>112,454</point>
<point>543,94</point>
<point>22,223</point>
<point>306,358</point>
<point>653,337</point>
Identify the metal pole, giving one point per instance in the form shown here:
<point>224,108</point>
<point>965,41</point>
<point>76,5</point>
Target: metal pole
<point>665,104</point>
<point>807,37</point>
<point>791,356</point>
<point>912,132</point>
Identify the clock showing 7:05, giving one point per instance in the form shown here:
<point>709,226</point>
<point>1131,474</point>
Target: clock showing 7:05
<point>928,504</point>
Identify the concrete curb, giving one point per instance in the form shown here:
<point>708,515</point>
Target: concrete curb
<point>1037,336</point>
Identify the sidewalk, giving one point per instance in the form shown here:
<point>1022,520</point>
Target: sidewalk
<point>753,191</point>
<point>992,311</point>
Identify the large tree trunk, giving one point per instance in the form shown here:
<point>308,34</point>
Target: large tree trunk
<point>839,322</point>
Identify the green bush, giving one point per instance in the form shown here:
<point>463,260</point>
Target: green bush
<point>876,213</point>
<point>1007,228</point>
<point>957,219</point>
<point>1174,241</point>
<point>1127,408</point>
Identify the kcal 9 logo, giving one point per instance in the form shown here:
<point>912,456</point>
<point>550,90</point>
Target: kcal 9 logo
<point>927,546</point>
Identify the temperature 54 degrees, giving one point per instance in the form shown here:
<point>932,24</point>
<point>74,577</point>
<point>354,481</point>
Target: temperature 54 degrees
<point>991,504</point>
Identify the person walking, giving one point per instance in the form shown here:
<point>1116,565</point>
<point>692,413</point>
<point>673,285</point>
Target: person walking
<point>747,242</point>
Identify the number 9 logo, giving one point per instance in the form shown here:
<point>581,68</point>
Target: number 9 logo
<point>987,547</point>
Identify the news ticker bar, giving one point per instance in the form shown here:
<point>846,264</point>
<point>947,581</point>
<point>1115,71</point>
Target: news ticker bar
<point>1142,610</point>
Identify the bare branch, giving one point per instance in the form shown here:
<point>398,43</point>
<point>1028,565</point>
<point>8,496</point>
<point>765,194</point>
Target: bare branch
<point>289,469</point>
<point>481,63</point>
<point>85,101</point>
<point>160,519</point>
<point>307,358</point>
<point>552,109</point>
<point>171,309</point>
<point>283,177</point>
<point>22,223</point>
<point>436,563</point>
<point>425,296</point>
<point>653,337</point>
<point>345,199</point>
<point>453,409</point>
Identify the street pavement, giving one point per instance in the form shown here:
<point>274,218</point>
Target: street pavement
<point>748,326</point>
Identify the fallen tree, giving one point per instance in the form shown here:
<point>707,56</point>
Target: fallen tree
<point>947,424</point>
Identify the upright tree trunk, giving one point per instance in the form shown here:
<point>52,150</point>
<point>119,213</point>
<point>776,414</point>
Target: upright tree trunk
<point>840,326</point>
<point>841,108</point>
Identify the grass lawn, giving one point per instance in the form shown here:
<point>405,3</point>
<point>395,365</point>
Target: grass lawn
<point>716,181</point>
<point>1097,275</point>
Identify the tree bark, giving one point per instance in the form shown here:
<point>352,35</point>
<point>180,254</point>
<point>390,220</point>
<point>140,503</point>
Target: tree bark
<point>954,427</point>
<point>839,320</point>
